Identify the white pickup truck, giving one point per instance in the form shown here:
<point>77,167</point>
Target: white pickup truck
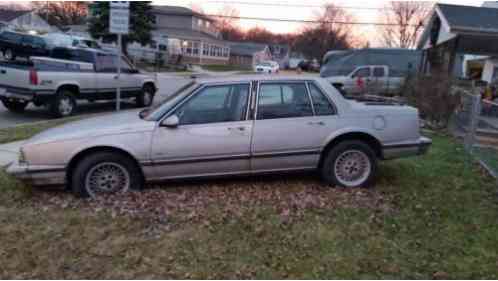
<point>72,74</point>
<point>369,79</point>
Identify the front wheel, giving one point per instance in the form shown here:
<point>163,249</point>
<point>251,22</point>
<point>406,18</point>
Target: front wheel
<point>63,105</point>
<point>15,106</point>
<point>105,173</point>
<point>146,97</point>
<point>350,164</point>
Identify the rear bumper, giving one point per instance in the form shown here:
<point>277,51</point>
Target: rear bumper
<point>24,94</point>
<point>406,149</point>
<point>38,175</point>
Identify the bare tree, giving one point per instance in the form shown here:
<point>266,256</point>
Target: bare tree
<point>228,23</point>
<point>406,19</point>
<point>61,13</point>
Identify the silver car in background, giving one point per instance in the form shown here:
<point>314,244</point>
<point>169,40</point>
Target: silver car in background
<point>225,126</point>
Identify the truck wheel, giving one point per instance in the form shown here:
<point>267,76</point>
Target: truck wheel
<point>146,97</point>
<point>63,105</point>
<point>350,164</point>
<point>105,173</point>
<point>15,106</point>
<point>9,54</point>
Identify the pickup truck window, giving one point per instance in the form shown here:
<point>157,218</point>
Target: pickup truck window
<point>106,63</point>
<point>362,72</point>
<point>379,72</point>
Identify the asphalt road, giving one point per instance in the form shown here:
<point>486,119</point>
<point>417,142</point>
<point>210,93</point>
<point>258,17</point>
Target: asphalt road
<point>167,85</point>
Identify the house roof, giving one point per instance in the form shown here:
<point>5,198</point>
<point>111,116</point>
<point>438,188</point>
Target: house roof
<point>178,11</point>
<point>246,48</point>
<point>181,33</point>
<point>10,15</point>
<point>469,18</point>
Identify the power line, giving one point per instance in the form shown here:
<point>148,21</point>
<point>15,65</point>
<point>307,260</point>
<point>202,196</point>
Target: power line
<point>311,21</point>
<point>291,5</point>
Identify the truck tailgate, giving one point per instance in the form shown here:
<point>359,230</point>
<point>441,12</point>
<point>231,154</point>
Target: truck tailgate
<point>14,76</point>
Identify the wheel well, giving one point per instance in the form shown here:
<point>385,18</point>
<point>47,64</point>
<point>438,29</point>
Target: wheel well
<point>82,154</point>
<point>368,139</point>
<point>72,88</point>
<point>150,84</point>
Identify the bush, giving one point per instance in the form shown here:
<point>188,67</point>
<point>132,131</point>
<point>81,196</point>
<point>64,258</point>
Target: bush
<point>434,97</point>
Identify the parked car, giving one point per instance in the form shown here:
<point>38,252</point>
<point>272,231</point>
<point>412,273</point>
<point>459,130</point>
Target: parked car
<point>222,127</point>
<point>70,75</point>
<point>267,67</point>
<point>309,65</point>
<point>369,79</point>
<point>14,44</point>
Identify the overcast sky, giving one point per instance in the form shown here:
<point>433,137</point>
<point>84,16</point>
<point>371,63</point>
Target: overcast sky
<point>361,10</point>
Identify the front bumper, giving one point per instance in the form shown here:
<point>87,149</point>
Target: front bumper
<point>406,149</point>
<point>38,175</point>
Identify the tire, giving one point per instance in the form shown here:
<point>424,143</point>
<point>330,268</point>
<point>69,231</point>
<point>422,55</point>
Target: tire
<point>63,105</point>
<point>15,106</point>
<point>99,173</point>
<point>350,164</point>
<point>8,54</point>
<point>146,97</point>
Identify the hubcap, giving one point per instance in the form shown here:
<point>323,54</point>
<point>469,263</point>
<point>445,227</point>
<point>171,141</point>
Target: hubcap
<point>65,106</point>
<point>352,168</point>
<point>107,177</point>
<point>147,98</point>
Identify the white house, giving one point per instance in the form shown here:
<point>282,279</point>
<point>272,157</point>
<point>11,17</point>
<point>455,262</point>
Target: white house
<point>25,20</point>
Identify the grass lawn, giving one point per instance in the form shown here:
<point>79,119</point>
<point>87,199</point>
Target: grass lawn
<point>429,217</point>
<point>223,67</point>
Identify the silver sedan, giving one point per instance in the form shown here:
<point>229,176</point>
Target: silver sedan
<point>221,127</point>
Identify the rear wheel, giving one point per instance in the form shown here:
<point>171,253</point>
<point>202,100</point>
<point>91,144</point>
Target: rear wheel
<point>8,54</point>
<point>63,105</point>
<point>146,97</point>
<point>350,164</point>
<point>15,106</point>
<point>105,173</point>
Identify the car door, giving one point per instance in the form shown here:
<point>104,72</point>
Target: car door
<point>106,68</point>
<point>130,81</point>
<point>360,81</point>
<point>213,136</point>
<point>287,134</point>
<point>378,85</point>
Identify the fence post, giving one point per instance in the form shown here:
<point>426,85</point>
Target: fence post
<point>474,121</point>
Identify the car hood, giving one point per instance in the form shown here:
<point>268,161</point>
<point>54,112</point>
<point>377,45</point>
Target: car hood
<point>116,123</point>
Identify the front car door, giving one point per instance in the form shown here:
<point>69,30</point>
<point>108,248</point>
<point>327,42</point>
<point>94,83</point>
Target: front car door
<point>378,85</point>
<point>291,126</point>
<point>213,136</point>
<point>360,80</point>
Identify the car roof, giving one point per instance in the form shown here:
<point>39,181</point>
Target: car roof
<point>256,77</point>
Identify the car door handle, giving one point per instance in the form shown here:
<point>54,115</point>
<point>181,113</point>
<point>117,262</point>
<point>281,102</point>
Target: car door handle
<point>317,123</point>
<point>236,128</point>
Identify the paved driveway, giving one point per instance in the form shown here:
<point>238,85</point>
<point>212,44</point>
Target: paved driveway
<point>167,84</point>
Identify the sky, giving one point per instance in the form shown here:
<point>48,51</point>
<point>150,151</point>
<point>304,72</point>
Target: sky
<point>361,10</point>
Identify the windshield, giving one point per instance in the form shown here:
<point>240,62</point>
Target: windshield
<point>265,64</point>
<point>154,113</point>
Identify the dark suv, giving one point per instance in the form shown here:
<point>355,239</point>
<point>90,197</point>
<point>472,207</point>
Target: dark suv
<point>13,44</point>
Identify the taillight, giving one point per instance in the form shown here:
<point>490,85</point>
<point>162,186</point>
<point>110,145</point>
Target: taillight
<point>33,77</point>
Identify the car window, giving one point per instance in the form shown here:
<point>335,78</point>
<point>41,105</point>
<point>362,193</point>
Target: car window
<point>379,72</point>
<point>321,104</point>
<point>38,42</point>
<point>213,104</point>
<point>283,100</point>
<point>10,36</point>
<point>27,39</point>
<point>106,63</point>
<point>362,72</point>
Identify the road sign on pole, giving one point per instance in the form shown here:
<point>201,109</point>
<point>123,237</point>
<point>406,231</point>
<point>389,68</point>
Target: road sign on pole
<point>118,24</point>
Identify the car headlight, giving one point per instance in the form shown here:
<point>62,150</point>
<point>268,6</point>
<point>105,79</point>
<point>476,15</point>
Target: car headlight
<point>22,157</point>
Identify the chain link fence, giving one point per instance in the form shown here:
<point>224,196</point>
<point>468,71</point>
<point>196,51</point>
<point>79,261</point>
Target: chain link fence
<point>476,122</point>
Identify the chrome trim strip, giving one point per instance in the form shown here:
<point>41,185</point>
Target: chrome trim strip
<point>287,153</point>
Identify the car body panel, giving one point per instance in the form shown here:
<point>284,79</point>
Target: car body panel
<point>224,148</point>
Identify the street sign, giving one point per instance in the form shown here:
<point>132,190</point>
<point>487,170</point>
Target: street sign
<point>118,24</point>
<point>120,17</point>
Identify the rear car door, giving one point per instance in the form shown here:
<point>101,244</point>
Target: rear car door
<point>288,130</point>
<point>213,136</point>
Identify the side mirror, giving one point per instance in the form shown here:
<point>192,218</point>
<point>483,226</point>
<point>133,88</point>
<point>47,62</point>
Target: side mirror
<point>171,122</point>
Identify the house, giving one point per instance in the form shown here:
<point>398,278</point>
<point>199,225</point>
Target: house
<point>201,42</point>
<point>248,54</point>
<point>453,33</point>
<point>24,20</point>
<point>281,54</point>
